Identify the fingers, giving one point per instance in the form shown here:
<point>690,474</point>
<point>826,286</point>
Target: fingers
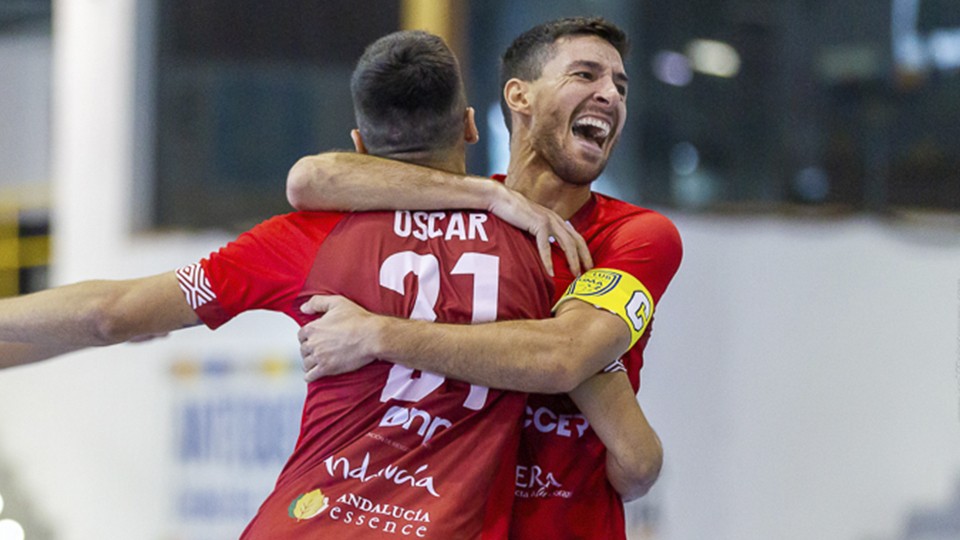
<point>574,248</point>
<point>571,252</point>
<point>312,370</point>
<point>312,374</point>
<point>543,246</point>
<point>583,252</point>
<point>319,304</point>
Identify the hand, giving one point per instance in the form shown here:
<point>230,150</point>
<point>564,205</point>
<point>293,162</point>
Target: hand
<point>339,341</point>
<point>543,224</point>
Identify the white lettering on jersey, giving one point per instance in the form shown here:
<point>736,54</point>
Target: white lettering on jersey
<point>353,509</point>
<point>476,226</point>
<point>535,477</point>
<point>407,417</point>
<point>564,425</point>
<point>456,228</point>
<point>341,466</point>
<point>427,225</point>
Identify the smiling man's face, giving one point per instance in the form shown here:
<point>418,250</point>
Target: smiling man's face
<point>578,107</point>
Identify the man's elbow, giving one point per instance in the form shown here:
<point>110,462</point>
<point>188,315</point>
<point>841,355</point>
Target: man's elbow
<point>316,183</point>
<point>300,182</point>
<point>107,324</point>
<point>638,476</point>
<point>558,374</point>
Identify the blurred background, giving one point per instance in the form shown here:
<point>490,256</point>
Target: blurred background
<point>805,370</point>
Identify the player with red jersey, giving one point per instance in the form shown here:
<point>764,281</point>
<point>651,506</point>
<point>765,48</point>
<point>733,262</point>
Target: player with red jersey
<point>638,243</point>
<point>564,93</point>
<point>384,451</point>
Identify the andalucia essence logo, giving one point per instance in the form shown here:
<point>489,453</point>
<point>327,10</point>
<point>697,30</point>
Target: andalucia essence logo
<point>309,505</point>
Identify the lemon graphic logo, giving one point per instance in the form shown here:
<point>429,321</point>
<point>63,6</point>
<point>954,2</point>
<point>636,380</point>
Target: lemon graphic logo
<point>309,505</point>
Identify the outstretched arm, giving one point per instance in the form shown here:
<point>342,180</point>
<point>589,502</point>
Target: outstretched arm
<point>548,356</point>
<point>91,313</point>
<point>19,354</point>
<point>359,182</point>
<point>634,452</point>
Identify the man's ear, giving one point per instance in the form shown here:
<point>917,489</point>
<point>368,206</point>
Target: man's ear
<point>516,96</point>
<point>358,141</point>
<point>470,133</point>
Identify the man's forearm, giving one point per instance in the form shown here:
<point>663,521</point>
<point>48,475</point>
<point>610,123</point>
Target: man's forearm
<point>96,313</point>
<point>359,182</point>
<point>546,356</point>
<point>634,452</point>
<point>66,316</point>
<point>345,181</point>
<point>19,354</point>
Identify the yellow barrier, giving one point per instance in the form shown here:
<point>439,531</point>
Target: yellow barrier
<point>9,249</point>
<point>445,18</point>
<point>18,252</point>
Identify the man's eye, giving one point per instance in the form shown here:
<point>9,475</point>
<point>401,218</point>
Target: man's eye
<point>584,75</point>
<point>622,89</point>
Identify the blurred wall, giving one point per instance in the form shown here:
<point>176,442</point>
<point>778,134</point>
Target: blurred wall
<point>801,374</point>
<point>25,87</point>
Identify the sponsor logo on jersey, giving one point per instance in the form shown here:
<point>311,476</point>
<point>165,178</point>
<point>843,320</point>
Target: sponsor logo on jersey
<point>545,420</point>
<point>534,482</point>
<point>342,467</point>
<point>353,509</point>
<point>309,505</point>
<point>595,283</point>
<point>411,418</point>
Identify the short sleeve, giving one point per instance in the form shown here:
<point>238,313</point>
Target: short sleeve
<point>264,268</point>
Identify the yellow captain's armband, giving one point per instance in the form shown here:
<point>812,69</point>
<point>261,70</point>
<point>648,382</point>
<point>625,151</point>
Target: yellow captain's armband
<point>617,292</point>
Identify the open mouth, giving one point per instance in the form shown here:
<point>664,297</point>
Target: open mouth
<point>592,129</point>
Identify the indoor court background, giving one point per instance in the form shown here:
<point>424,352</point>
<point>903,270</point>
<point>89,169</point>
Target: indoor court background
<point>803,373</point>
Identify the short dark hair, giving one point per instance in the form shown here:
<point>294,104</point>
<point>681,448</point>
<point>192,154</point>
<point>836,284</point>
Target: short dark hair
<point>408,94</point>
<point>525,57</point>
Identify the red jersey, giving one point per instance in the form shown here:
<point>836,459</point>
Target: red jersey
<point>387,452</point>
<point>561,484</point>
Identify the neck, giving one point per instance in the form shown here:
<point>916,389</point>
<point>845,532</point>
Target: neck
<point>453,160</point>
<point>536,180</point>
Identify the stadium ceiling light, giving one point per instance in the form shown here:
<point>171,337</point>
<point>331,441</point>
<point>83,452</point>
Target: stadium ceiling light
<point>11,530</point>
<point>714,58</point>
<point>672,68</point>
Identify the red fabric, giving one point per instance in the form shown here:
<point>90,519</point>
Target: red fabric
<point>561,485</point>
<point>393,460</point>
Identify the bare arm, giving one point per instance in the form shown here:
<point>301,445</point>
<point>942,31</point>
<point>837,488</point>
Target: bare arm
<point>634,452</point>
<point>360,182</point>
<point>91,313</point>
<point>547,356</point>
<point>19,354</point>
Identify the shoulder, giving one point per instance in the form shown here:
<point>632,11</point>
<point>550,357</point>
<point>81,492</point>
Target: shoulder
<point>302,222</point>
<point>639,241</point>
<point>628,224</point>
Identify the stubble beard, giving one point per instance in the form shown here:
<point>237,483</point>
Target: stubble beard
<point>548,145</point>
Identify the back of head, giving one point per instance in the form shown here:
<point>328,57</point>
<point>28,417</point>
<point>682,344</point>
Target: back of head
<point>408,95</point>
<point>525,57</point>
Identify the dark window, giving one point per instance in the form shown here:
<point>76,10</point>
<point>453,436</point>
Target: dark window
<point>243,89</point>
<point>833,104</point>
